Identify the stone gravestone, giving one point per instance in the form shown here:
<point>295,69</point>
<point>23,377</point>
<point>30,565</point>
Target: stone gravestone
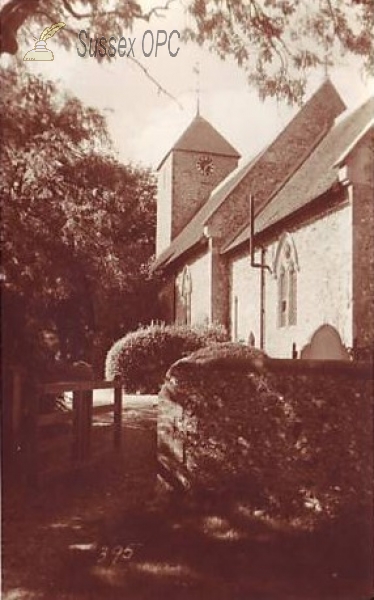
<point>325,344</point>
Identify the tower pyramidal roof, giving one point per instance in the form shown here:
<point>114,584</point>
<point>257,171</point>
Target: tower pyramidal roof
<point>201,136</point>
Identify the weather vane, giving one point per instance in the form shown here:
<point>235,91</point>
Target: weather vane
<point>326,64</point>
<point>326,58</point>
<point>196,70</point>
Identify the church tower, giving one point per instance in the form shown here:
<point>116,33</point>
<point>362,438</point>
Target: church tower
<point>195,165</point>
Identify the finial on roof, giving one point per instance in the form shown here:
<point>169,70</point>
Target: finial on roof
<point>326,61</point>
<point>326,67</point>
<point>196,70</point>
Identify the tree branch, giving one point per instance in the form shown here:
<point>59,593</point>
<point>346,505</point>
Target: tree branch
<point>333,17</point>
<point>12,17</point>
<point>135,13</point>
<point>73,12</point>
<point>155,11</point>
<point>15,12</point>
<point>67,5</point>
<point>159,87</point>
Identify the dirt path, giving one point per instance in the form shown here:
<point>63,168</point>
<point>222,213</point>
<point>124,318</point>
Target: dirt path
<point>38,528</point>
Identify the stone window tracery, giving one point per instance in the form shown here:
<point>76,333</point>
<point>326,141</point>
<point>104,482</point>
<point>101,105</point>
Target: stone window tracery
<point>286,271</point>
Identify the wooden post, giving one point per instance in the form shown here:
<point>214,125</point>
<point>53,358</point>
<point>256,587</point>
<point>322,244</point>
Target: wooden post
<point>77,403</point>
<point>82,424</point>
<point>87,405</point>
<point>117,415</point>
<point>83,411</point>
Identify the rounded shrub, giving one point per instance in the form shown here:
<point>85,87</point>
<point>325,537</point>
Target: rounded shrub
<point>142,358</point>
<point>295,445</point>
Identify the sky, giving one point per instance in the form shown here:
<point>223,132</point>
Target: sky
<point>144,124</point>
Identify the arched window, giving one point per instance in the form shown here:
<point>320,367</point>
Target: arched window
<point>286,270</point>
<point>283,298</point>
<point>186,294</point>
<point>292,278</point>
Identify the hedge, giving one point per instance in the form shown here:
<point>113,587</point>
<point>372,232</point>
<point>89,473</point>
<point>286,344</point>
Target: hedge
<point>293,444</point>
<point>142,357</point>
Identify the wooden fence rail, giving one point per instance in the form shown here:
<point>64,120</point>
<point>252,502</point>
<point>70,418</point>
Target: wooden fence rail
<point>81,418</point>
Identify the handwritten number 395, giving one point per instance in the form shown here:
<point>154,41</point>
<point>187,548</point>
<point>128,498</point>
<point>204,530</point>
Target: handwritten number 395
<point>118,553</point>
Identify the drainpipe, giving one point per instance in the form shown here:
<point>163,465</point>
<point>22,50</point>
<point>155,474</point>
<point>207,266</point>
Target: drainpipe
<point>262,265</point>
<point>208,236</point>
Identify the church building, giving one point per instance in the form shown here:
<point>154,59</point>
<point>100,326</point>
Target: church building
<point>279,247</point>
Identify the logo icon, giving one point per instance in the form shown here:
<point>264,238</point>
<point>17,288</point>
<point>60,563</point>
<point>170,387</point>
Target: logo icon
<point>41,52</point>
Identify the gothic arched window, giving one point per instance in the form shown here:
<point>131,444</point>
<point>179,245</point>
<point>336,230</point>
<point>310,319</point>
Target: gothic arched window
<point>292,281</point>
<point>286,269</point>
<point>283,298</point>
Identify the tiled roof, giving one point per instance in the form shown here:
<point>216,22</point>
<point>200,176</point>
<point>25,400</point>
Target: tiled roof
<point>316,175</point>
<point>302,133</point>
<point>201,136</point>
<point>194,231</point>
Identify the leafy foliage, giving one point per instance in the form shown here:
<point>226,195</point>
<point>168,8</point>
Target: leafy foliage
<point>143,357</point>
<point>277,42</point>
<point>294,445</point>
<point>77,226</point>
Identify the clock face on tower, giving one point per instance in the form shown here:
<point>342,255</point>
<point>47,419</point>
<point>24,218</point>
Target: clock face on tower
<point>205,165</point>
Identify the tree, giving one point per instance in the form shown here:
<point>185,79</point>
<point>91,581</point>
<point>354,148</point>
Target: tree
<point>77,226</point>
<point>277,42</point>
